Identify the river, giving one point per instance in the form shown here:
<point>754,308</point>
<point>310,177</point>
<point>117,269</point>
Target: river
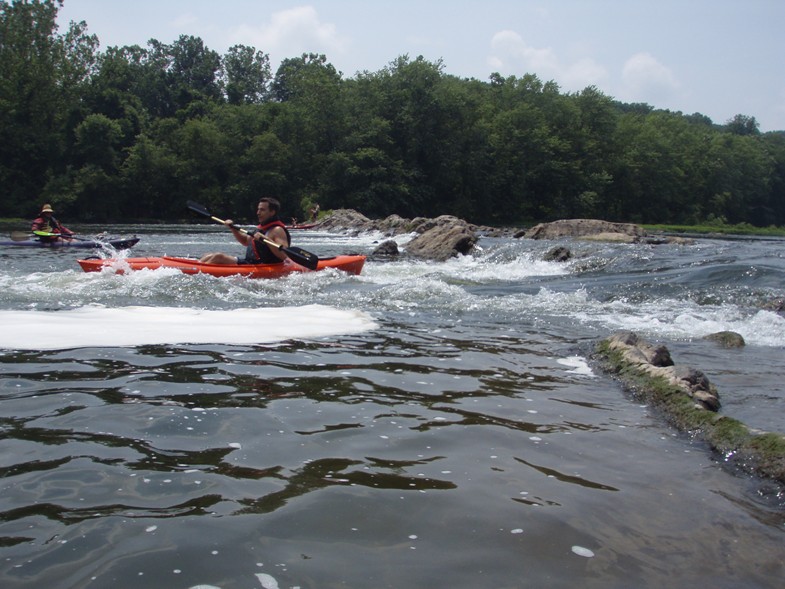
<point>420,425</point>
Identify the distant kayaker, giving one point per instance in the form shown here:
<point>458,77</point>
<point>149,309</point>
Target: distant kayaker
<point>46,222</point>
<point>256,250</point>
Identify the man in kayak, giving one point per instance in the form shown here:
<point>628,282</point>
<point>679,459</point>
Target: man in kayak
<point>46,222</point>
<point>270,228</point>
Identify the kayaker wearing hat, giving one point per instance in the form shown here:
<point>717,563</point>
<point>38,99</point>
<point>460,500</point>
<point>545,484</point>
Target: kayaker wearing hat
<point>46,222</point>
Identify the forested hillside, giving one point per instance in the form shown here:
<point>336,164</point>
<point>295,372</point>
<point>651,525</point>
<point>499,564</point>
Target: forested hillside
<point>131,133</point>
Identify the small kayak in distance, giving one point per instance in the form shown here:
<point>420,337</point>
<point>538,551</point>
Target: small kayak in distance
<point>352,264</point>
<point>299,226</point>
<point>118,243</point>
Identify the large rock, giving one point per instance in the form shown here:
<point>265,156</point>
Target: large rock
<point>558,254</point>
<point>443,238</point>
<point>346,220</point>
<point>386,249</point>
<point>656,362</point>
<point>727,339</point>
<point>584,228</point>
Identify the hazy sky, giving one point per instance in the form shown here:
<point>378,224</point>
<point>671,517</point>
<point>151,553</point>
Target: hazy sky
<point>716,57</point>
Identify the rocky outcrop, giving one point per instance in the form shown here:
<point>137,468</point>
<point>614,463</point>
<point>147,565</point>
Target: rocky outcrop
<point>597,230</point>
<point>655,361</point>
<point>691,403</point>
<point>443,238</point>
<point>386,249</point>
<point>611,237</point>
<point>437,239</point>
<point>558,254</point>
<point>583,228</point>
<point>727,339</point>
<point>448,236</point>
<point>345,220</point>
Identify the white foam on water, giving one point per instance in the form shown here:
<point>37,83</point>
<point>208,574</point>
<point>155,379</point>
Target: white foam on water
<point>578,364</point>
<point>684,320</point>
<point>472,269</point>
<point>581,551</point>
<point>267,581</point>
<point>98,326</point>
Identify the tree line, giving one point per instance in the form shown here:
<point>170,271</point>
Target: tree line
<point>131,133</point>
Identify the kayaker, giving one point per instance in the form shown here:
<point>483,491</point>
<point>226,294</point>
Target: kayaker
<point>46,222</point>
<point>256,250</point>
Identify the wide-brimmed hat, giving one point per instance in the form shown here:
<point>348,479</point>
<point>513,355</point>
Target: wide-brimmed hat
<point>47,209</point>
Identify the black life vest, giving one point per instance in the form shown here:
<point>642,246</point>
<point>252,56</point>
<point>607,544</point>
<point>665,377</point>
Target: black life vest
<point>258,252</point>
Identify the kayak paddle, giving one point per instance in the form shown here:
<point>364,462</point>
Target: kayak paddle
<point>61,235</point>
<point>296,254</point>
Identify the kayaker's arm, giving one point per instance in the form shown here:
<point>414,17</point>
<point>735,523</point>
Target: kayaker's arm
<point>241,236</point>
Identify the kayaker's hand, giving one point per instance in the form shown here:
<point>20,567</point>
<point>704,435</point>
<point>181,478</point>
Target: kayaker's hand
<point>229,223</point>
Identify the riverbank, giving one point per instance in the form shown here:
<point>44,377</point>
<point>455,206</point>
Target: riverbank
<point>717,230</point>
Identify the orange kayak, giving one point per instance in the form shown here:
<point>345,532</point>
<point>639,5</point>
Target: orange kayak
<point>352,264</point>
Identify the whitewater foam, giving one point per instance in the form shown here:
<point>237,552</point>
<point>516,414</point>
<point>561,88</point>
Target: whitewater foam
<point>99,326</point>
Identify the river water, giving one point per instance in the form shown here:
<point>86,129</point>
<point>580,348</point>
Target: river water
<point>420,425</point>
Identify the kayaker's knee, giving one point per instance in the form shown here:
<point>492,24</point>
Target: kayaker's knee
<point>218,258</point>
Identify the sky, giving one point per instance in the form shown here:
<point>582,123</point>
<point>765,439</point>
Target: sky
<point>719,58</point>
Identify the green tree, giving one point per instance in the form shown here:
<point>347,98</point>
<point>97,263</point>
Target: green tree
<point>773,212</point>
<point>41,74</point>
<point>148,180</point>
<point>133,132</point>
<point>409,98</point>
<point>203,163</point>
<point>743,125</point>
<point>740,186</point>
<point>247,75</point>
<point>653,168</point>
<point>309,118</point>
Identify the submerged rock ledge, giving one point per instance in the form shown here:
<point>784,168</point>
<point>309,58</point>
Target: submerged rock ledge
<point>690,402</point>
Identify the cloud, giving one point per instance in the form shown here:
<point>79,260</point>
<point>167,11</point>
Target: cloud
<point>291,33</point>
<point>185,20</point>
<point>512,56</point>
<point>644,79</point>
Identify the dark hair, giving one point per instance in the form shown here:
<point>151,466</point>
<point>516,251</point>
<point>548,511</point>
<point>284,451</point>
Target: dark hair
<point>273,203</point>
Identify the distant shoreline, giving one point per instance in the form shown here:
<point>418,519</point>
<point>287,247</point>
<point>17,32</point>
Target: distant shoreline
<point>8,224</point>
<point>724,230</point>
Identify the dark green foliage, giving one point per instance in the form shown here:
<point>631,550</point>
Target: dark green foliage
<point>133,132</point>
<point>40,78</point>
